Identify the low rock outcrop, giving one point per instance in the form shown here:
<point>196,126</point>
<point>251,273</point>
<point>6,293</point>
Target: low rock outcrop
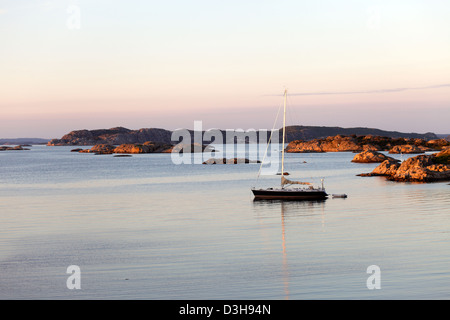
<point>331,144</point>
<point>387,168</point>
<point>5,148</point>
<point>128,148</point>
<point>444,152</point>
<point>370,147</point>
<point>421,168</point>
<point>408,149</point>
<point>99,149</point>
<point>147,147</point>
<point>355,143</point>
<point>229,161</point>
<point>156,147</point>
<point>438,143</point>
<point>371,157</point>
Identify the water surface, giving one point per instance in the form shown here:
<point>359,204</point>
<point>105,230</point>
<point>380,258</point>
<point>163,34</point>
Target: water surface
<point>142,227</point>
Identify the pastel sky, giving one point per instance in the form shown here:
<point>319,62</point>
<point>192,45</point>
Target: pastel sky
<point>89,64</point>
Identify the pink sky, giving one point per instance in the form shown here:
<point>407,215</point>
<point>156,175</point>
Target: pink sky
<point>167,66</point>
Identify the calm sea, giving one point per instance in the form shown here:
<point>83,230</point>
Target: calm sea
<point>142,227</point>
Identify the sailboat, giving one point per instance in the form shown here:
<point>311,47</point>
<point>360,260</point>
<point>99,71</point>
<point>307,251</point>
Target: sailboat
<point>286,191</point>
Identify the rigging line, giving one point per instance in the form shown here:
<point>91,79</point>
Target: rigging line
<point>267,147</point>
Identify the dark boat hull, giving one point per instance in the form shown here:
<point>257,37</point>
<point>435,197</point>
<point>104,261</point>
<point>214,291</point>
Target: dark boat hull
<point>269,194</point>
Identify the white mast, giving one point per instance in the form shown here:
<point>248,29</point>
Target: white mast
<point>284,133</point>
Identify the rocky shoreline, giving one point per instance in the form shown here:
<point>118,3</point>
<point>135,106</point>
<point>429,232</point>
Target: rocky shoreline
<point>146,147</point>
<point>422,168</point>
<point>121,135</point>
<point>355,143</point>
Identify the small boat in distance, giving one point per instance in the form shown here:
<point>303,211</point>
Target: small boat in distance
<point>284,192</point>
<point>343,196</point>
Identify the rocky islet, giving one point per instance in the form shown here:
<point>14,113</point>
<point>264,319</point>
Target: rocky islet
<point>422,168</point>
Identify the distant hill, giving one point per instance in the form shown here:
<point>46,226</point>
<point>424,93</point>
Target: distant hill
<point>113,136</point>
<point>120,135</point>
<point>22,141</point>
<point>314,132</point>
<point>444,136</point>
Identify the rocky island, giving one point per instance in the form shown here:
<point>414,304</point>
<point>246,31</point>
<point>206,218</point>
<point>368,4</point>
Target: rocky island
<point>409,149</point>
<point>6,148</point>
<point>230,161</point>
<point>422,168</point>
<point>353,143</point>
<point>146,147</point>
<point>121,135</point>
<point>113,136</point>
<point>371,157</point>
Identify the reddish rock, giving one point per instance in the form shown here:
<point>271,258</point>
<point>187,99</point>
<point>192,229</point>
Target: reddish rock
<point>102,149</point>
<point>369,147</point>
<point>438,144</point>
<point>331,144</point>
<point>422,168</point>
<point>155,147</point>
<point>386,168</point>
<point>444,152</point>
<point>371,157</point>
<point>132,148</point>
<point>406,149</point>
<point>5,148</point>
